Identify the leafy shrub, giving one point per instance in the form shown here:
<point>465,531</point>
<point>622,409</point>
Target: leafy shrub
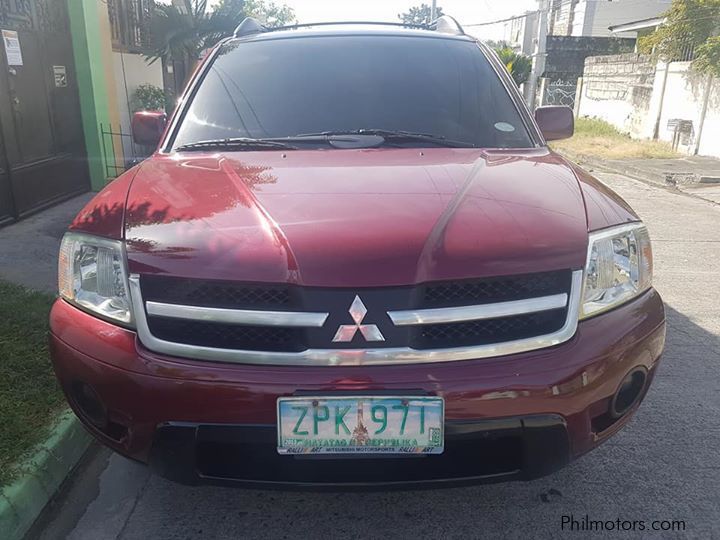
<point>148,97</point>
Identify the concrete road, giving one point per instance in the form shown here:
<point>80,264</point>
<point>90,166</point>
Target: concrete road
<point>29,249</point>
<point>664,466</point>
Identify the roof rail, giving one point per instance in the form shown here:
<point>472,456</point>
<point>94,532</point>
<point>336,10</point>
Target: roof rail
<point>250,26</point>
<point>444,24</point>
<point>447,25</point>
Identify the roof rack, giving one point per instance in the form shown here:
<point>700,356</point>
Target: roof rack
<point>447,25</point>
<point>444,24</point>
<point>250,26</point>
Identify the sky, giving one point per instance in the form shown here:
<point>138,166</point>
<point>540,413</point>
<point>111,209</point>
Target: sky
<point>465,11</point>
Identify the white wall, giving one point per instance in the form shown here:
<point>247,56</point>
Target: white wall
<point>684,98</point>
<point>131,71</point>
<point>622,91</point>
<point>710,141</point>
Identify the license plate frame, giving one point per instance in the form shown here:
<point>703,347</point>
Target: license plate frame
<point>431,409</point>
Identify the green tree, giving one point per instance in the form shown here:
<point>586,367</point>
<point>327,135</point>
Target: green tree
<point>419,15</point>
<point>267,12</point>
<point>181,31</point>
<point>519,65</point>
<point>690,25</point>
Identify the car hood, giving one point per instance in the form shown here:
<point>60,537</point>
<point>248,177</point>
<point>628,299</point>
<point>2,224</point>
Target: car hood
<point>355,218</point>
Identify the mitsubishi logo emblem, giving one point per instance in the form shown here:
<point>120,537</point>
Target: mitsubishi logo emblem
<point>347,332</point>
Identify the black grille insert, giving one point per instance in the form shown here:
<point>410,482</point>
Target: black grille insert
<point>438,336</point>
<point>227,336</point>
<point>219,294</point>
<point>497,289</point>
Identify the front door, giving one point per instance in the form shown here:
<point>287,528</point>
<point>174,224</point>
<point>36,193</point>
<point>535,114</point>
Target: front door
<point>42,160</point>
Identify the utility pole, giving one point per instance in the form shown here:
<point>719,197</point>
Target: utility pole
<point>538,65</point>
<point>433,10</point>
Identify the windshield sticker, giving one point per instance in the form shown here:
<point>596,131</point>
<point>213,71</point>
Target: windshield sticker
<point>504,126</point>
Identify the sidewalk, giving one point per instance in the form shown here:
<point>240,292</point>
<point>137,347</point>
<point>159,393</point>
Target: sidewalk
<point>695,175</point>
<point>29,249</point>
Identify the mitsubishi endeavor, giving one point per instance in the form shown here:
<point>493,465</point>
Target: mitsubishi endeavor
<point>353,261</point>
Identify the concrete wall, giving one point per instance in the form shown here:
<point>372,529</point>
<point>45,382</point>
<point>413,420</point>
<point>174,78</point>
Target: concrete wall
<point>566,54</point>
<point>684,98</point>
<point>643,99</point>
<point>131,70</point>
<point>710,139</point>
<point>90,28</point>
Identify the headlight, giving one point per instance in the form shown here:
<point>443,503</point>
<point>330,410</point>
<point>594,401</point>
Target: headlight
<point>619,268</point>
<point>92,275</point>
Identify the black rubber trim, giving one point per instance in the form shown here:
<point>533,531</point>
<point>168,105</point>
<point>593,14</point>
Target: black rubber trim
<point>179,448</point>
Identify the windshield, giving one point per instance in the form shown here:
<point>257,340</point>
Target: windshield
<point>276,88</point>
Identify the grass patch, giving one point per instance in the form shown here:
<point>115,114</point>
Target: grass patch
<point>30,397</point>
<point>597,138</point>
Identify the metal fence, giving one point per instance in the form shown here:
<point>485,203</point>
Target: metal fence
<point>120,152</point>
<point>559,92</point>
<point>130,24</point>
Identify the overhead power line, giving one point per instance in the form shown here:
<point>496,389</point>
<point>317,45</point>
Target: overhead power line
<point>507,19</point>
<point>601,20</point>
<point>502,20</point>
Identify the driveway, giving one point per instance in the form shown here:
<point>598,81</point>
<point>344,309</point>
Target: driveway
<point>664,466</point>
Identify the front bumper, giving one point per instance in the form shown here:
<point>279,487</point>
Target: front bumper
<point>518,416</point>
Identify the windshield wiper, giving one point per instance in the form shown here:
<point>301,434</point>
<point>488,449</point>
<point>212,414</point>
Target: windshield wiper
<point>386,134</point>
<point>236,142</point>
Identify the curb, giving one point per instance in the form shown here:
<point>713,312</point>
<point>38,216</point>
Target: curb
<point>22,501</point>
<point>634,172</point>
<point>667,179</point>
<point>648,178</point>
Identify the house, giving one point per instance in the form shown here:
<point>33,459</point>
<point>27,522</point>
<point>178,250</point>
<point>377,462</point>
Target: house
<point>520,33</point>
<point>591,18</point>
<point>583,18</point>
<point>131,42</point>
<point>67,70</point>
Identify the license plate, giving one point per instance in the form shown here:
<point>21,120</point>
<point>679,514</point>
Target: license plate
<point>361,425</point>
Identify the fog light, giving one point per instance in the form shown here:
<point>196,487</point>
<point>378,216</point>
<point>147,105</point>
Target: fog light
<point>629,393</point>
<point>90,404</point>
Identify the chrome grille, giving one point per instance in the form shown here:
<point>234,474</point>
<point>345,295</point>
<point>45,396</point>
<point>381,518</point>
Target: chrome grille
<point>289,325</point>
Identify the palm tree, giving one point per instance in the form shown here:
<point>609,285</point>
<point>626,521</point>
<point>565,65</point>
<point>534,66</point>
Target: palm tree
<point>183,29</point>
<point>517,64</point>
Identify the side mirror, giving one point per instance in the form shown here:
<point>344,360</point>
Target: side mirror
<point>555,122</point>
<point>148,127</point>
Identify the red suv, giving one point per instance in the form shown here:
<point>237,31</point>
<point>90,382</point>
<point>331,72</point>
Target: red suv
<point>353,261</point>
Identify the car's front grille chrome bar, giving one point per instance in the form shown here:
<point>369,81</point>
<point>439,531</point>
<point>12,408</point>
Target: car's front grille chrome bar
<point>237,316</point>
<point>365,356</point>
<point>478,312</point>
